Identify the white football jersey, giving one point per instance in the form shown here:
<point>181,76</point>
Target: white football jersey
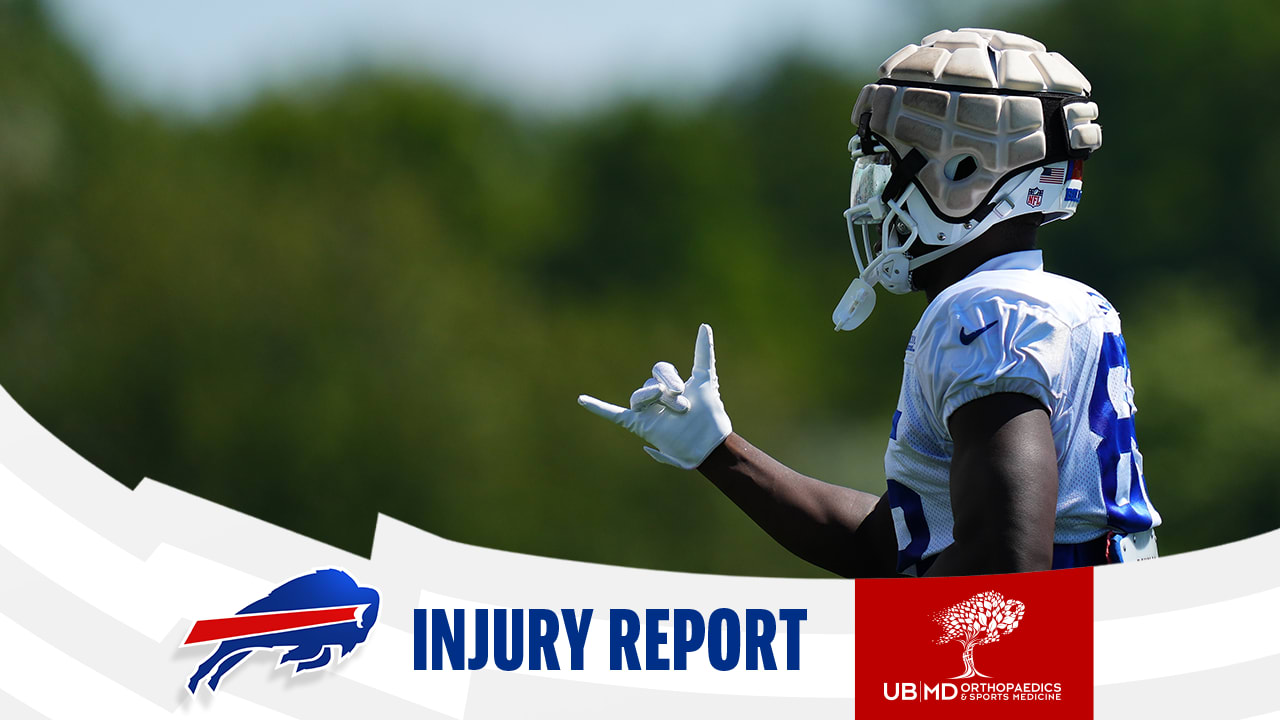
<point>1009,326</point>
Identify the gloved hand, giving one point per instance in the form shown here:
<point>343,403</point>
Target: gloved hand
<point>685,421</point>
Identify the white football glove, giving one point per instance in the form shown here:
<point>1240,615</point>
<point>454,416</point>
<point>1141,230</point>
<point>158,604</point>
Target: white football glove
<point>684,420</point>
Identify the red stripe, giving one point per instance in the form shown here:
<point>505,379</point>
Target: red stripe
<point>243,625</point>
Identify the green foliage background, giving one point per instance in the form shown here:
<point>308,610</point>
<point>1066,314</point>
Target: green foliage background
<point>383,293</point>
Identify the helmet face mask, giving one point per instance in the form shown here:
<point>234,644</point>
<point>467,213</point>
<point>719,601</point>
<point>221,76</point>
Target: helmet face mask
<point>881,254</point>
<point>948,146</point>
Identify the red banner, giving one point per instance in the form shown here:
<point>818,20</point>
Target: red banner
<point>994,646</point>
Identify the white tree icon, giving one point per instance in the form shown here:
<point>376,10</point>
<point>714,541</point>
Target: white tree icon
<point>983,618</point>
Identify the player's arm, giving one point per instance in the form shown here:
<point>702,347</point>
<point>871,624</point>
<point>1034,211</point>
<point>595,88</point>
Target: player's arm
<point>1004,487</point>
<point>837,528</point>
<point>843,530</point>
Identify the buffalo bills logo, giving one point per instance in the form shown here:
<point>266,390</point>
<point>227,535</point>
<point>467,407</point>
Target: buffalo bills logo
<point>308,617</point>
<point>1034,196</point>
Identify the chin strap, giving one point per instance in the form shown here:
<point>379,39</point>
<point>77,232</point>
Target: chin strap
<point>903,174</point>
<point>904,171</point>
<point>865,142</point>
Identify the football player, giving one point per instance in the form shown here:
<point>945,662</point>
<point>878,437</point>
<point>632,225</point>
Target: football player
<point>1012,447</point>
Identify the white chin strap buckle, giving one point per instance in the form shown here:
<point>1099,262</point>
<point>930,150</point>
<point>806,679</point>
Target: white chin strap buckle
<point>895,273</point>
<point>856,305</point>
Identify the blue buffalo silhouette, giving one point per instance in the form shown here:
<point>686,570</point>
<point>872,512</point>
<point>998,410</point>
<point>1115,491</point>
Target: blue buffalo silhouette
<point>310,648</point>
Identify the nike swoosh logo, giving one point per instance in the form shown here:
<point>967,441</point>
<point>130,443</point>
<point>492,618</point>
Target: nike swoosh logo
<point>966,338</point>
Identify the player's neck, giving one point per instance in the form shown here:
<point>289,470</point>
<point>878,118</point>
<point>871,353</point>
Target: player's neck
<point>944,272</point>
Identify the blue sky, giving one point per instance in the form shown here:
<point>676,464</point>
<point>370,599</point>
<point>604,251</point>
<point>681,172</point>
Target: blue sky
<point>548,55</point>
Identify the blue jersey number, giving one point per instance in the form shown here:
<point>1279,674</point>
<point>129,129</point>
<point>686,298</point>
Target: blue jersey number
<point>1124,491</point>
<point>906,501</point>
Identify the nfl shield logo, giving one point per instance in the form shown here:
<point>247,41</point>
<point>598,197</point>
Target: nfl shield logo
<point>1034,196</point>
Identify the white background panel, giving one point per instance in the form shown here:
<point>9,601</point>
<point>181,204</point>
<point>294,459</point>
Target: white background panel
<point>103,582</point>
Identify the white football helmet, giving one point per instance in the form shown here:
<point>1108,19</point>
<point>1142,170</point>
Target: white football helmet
<point>962,131</point>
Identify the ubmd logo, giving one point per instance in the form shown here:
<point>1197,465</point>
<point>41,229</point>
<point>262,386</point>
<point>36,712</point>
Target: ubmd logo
<point>983,619</point>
